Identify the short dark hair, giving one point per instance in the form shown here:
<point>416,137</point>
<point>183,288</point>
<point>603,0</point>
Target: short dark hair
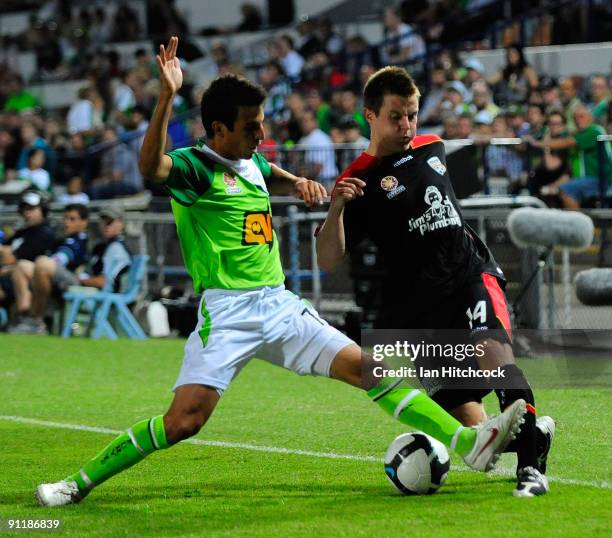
<point>34,151</point>
<point>389,80</point>
<point>80,209</point>
<point>222,98</point>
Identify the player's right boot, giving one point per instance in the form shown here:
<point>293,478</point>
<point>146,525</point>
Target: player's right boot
<point>58,494</point>
<point>493,435</point>
<point>546,425</point>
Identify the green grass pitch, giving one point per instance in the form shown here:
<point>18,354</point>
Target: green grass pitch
<point>222,486</point>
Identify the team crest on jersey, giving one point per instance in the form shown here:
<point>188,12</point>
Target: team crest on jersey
<point>441,213</point>
<point>437,165</point>
<point>231,186</point>
<point>388,183</point>
<point>391,185</point>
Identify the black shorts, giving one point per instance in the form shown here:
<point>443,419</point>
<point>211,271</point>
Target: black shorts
<point>477,312</point>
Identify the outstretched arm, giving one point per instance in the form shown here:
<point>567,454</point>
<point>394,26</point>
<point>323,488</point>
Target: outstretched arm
<point>330,239</point>
<point>155,165</point>
<point>306,189</point>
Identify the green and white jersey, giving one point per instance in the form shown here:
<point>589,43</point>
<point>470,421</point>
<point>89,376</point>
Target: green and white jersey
<point>224,220</point>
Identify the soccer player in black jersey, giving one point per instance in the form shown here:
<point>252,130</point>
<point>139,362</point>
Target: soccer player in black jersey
<point>439,274</point>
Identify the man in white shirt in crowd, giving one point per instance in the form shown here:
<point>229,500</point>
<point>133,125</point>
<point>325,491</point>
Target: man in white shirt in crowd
<point>318,150</point>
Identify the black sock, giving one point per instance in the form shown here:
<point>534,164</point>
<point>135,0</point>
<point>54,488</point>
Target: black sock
<point>525,443</point>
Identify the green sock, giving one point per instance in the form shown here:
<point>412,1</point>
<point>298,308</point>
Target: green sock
<point>417,410</point>
<point>129,448</point>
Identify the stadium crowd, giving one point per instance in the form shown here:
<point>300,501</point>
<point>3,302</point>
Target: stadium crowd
<point>313,76</point>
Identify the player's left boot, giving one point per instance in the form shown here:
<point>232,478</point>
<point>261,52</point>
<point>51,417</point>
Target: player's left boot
<point>546,425</point>
<point>530,483</point>
<point>59,493</point>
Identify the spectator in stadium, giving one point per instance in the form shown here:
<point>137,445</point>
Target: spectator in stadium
<point>514,82</point>
<point>100,29</point>
<point>431,111</point>
<point>551,99</point>
<point>403,43</point>
<point>465,126</point>
<point>119,175</point>
<point>74,192</point>
<point>449,128</point>
<point>474,71</point>
<point>553,170</point>
<point>333,44</point>
<point>136,123</point>
<point>124,94</point>
<point>503,160</point>
<point>584,161</point>
<point>145,64</point>
<point>454,99</point>
<point>570,101</point>
<point>32,240</point>
<point>291,60</point>
<point>516,120</point>
<point>599,93</point>
<point>292,124</point>
<point>34,173</point>
<point>308,41</point>
<point>536,129</point>
<point>81,115</point>
<point>272,78</point>
<point>482,99</point>
<point>18,98</point>
<point>537,121</point>
<point>358,53</point>
<point>318,148</point>
<point>35,282</point>
<point>30,139</point>
<point>326,116</point>
<point>349,106</point>
<point>350,134</point>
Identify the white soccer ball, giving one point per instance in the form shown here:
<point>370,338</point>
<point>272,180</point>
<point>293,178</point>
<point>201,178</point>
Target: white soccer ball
<point>416,463</point>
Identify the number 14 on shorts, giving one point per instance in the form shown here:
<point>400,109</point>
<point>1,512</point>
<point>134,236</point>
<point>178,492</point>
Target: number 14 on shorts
<point>478,313</point>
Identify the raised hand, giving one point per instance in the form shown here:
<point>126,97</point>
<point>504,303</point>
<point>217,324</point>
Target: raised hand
<point>170,74</point>
<point>348,189</point>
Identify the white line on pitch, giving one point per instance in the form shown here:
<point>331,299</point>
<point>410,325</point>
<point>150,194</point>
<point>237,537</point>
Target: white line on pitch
<point>281,450</point>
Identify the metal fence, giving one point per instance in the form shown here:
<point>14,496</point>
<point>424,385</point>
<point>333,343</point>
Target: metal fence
<point>549,302</point>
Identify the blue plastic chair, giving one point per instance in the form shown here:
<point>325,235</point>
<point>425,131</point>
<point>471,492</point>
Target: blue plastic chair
<point>105,304</point>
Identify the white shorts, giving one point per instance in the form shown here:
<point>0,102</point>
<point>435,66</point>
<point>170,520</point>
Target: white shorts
<point>271,324</point>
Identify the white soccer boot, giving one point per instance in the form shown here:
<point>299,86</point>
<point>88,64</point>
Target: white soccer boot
<point>58,494</point>
<point>547,426</point>
<point>493,435</point>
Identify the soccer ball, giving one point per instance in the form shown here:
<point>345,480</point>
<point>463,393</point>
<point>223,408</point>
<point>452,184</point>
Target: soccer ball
<point>417,464</point>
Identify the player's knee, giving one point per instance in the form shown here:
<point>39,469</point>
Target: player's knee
<point>347,366</point>
<point>180,427</point>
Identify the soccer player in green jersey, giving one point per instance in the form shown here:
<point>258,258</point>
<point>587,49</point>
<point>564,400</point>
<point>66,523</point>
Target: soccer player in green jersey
<point>222,211</point>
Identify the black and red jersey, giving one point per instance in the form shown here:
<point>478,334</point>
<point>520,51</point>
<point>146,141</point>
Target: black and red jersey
<point>409,211</point>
